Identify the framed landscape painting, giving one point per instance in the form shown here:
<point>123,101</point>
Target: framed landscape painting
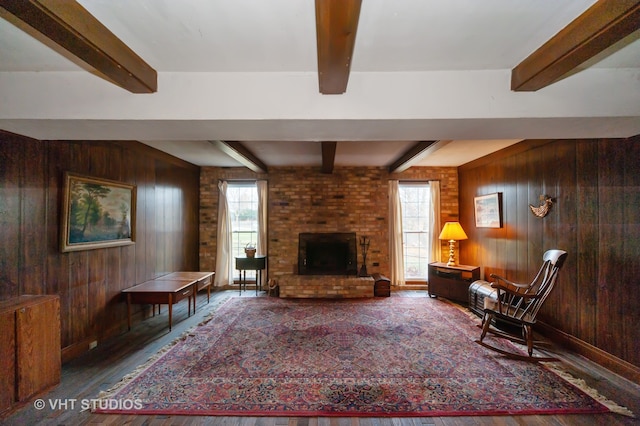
<point>488,209</point>
<point>96,213</point>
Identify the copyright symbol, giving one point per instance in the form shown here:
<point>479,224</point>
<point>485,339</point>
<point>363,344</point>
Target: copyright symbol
<point>39,404</point>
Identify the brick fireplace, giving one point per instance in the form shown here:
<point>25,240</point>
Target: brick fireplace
<point>305,200</point>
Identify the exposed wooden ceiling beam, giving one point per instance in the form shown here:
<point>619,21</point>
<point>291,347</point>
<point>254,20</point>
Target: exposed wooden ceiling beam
<point>69,29</point>
<point>414,154</point>
<point>336,27</point>
<point>599,27</point>
<point>240,153</point>
<point>328,156</point>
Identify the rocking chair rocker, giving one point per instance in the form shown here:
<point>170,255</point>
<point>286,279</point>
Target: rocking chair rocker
<point>518,305</point>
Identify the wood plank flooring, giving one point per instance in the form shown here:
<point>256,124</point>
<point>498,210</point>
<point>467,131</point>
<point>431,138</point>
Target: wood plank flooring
<point>101,368</point>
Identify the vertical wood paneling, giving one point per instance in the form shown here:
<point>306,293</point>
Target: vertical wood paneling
<point>98,282</point>
<point>596,184</point>
<point>89,282</point>
<point>113,307</point>
<point>10,221</point>
<point>510,215</point>
<point>611,261</point>
<point>33,211</point>
<point>521,273</point>
<point>59,160</point>
<point>562,233</point>
<point>587,242</point>
<point>631,248</point>
<point>534,166</point>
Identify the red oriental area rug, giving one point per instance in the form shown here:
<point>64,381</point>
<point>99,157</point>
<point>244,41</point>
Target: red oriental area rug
<point>370,357</point>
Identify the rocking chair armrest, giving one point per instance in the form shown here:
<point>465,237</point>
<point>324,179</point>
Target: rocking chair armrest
<point>499,278</point>
<point>501,287</point>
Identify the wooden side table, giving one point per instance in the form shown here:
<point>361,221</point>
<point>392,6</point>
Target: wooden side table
<point>451,282</point>
<point>256,263</point>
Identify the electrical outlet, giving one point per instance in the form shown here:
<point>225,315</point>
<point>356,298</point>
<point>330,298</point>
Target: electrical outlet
<point>93,344</point>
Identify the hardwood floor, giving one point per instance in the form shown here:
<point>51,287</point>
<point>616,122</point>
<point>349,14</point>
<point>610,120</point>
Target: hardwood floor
<point>101,368</point>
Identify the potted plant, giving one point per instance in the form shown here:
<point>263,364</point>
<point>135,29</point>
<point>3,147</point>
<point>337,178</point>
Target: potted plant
<point>250,250</point>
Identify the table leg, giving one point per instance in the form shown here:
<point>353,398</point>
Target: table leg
<point>170,309</point>
<point>257,280</point>
<point>195,295</point>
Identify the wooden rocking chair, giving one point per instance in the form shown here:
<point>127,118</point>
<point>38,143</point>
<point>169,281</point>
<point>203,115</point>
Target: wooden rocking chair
<point>518,305</point>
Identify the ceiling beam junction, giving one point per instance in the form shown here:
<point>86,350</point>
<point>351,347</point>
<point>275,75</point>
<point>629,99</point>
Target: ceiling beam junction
<point>241,154</point>
<point>414,154</point>
<point>328,156</point>
<point>336,27</point>
<point>599,27</point>
<point>70,30</point>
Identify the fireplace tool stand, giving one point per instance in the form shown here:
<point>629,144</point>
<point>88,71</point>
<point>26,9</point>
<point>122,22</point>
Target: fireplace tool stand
<point>364,246</point>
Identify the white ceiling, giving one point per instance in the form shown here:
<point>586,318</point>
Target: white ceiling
<point>246,70</point>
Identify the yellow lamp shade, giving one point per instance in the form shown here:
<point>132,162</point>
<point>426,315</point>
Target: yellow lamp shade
<point>452,231</point>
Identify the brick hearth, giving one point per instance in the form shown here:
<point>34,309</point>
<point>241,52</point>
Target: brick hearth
<point>324,286</point>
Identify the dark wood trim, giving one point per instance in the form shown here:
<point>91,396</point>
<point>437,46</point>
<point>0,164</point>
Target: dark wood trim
<point>240,153</point>
<point>514,149</point>
<point>599,27</point>
<point>336,27</point>
<point>412,155</point>
<point>600,357</point>
<point>73,32</point>
<point>328,156</point>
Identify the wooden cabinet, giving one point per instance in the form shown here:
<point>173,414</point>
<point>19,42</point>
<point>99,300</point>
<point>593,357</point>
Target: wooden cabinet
<point>29,347</point>
<point>451,282</point>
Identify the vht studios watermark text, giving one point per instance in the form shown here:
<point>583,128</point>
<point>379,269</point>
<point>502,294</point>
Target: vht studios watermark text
<point>87,404</point>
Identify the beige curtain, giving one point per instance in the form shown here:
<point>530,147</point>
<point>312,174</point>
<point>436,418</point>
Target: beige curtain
<point>262,223</point>
<point>435,247</point>
<point>396,253</point>
<point>262,216</point>
<point>224,258</point>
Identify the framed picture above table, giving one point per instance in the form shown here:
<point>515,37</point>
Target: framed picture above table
<point>96,213</point>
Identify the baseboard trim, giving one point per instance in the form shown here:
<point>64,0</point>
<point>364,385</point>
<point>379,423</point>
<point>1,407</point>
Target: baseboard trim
<point>73,351</point>
<point>597,355</point>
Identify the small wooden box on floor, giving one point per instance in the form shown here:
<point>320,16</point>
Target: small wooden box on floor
<point>381,286</point>
<point>30,356</point>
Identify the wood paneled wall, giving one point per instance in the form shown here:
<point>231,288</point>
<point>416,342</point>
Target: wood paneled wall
<point>89,282</point>
<point>595,218</point>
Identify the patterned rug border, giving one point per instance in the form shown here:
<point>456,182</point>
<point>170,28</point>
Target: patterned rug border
<point>554,367</point>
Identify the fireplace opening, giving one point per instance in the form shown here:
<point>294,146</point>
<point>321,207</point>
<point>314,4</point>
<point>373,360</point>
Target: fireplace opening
<point>327,253</point>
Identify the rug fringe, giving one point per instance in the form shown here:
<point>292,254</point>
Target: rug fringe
<point>106,394</point>
<point>593,393</point>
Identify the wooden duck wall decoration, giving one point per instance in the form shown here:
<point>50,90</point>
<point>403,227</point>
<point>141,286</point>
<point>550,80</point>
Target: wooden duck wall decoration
<point>542,210</point>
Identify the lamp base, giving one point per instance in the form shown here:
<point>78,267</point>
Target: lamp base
<point>452,259</point>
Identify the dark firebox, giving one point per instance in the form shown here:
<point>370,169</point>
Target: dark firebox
<point>327,253</point>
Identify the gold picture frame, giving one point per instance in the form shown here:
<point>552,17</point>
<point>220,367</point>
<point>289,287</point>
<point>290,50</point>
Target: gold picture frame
<point>488,210</point>
<point>96,213</point>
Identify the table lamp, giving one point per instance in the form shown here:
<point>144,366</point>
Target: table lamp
<point>452,231</point>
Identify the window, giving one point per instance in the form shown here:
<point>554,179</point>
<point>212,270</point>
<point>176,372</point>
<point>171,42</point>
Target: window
<point>242,198</point>
<point>415,200</point>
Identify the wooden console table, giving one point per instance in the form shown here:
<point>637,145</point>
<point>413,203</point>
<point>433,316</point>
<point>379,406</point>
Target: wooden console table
<point>168,289</point>
<point>451,282</point>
